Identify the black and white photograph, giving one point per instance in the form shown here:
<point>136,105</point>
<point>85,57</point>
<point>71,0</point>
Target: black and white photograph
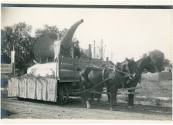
<point>86,62</point>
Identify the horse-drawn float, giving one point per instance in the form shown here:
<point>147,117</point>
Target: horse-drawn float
<point>73,76</point>
<point>53,81</point>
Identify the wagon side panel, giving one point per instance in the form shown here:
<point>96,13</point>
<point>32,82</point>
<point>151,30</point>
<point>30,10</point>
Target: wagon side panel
<point>52,90</point>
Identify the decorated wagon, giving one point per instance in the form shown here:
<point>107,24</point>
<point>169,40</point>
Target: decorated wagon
<point>53,81</point>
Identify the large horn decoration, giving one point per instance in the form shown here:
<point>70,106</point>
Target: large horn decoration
<point>67,39</point>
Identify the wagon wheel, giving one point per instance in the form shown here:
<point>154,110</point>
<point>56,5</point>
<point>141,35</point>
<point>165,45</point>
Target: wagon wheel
<point>60,94</point>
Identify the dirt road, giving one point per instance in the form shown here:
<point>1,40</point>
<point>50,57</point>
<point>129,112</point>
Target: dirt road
<point>13,108</point>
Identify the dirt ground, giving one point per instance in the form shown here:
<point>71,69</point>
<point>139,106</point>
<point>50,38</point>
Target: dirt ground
<point>12,108</point>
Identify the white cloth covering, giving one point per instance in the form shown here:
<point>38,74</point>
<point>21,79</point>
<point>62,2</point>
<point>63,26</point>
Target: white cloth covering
<point>44,70</point>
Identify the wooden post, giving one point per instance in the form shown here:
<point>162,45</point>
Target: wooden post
<point>13,60</point>
<point>57,57</point>
<point>56,61</point>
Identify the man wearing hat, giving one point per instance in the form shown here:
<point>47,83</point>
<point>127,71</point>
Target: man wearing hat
<point>76,51</point>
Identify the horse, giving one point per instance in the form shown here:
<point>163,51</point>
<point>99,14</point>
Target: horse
<point>91,76</point>
<point>153,62</point>
<point>121,75</point>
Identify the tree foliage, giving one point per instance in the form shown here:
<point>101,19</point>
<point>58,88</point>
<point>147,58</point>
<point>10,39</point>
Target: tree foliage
<point>51,31</point>
<point>158,59</point>
<point>19,36</point>
<point>43,47</point>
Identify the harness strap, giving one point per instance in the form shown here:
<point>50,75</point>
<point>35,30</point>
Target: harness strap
<point>115,69</point>
<point>96,85</point>
<point>111,76</point>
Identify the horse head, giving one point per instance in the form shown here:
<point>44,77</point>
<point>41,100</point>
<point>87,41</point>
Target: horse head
<point>131,67</point>
<point>128,67</point>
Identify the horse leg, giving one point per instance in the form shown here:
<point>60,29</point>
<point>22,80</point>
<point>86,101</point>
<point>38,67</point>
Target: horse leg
<point>86,98</point>
<point>83,100</point>
<point>83,93</point>
<point>99,95</point>
<point>115,97</point>
<point>98,98</point>
<point>111,101</point>
<point>88,105</point>
<point>131,98</point>
<point>109,98</point>
<point>67,93</point>
<point>108,94</point>
<point>87,101</point>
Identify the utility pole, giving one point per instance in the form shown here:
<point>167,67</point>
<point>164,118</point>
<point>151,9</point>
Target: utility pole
<point>101,50</point>
<point>94,54</point>
<point>90,52</point>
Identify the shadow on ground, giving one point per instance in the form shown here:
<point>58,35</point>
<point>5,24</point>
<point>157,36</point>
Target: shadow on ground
<point>5,113</point>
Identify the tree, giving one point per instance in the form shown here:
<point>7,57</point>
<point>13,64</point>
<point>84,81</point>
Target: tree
<point>19,36</point>
<point>51,31</point>
<point>43,47</point>
<point>158,59</point>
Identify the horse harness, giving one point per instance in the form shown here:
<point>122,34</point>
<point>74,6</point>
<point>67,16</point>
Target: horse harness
<point>111,76</point>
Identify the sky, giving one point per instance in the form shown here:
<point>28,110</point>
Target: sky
<point>125,32</point>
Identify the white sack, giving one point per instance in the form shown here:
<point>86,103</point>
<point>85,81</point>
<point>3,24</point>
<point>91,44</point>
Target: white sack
<point>48,69</point>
